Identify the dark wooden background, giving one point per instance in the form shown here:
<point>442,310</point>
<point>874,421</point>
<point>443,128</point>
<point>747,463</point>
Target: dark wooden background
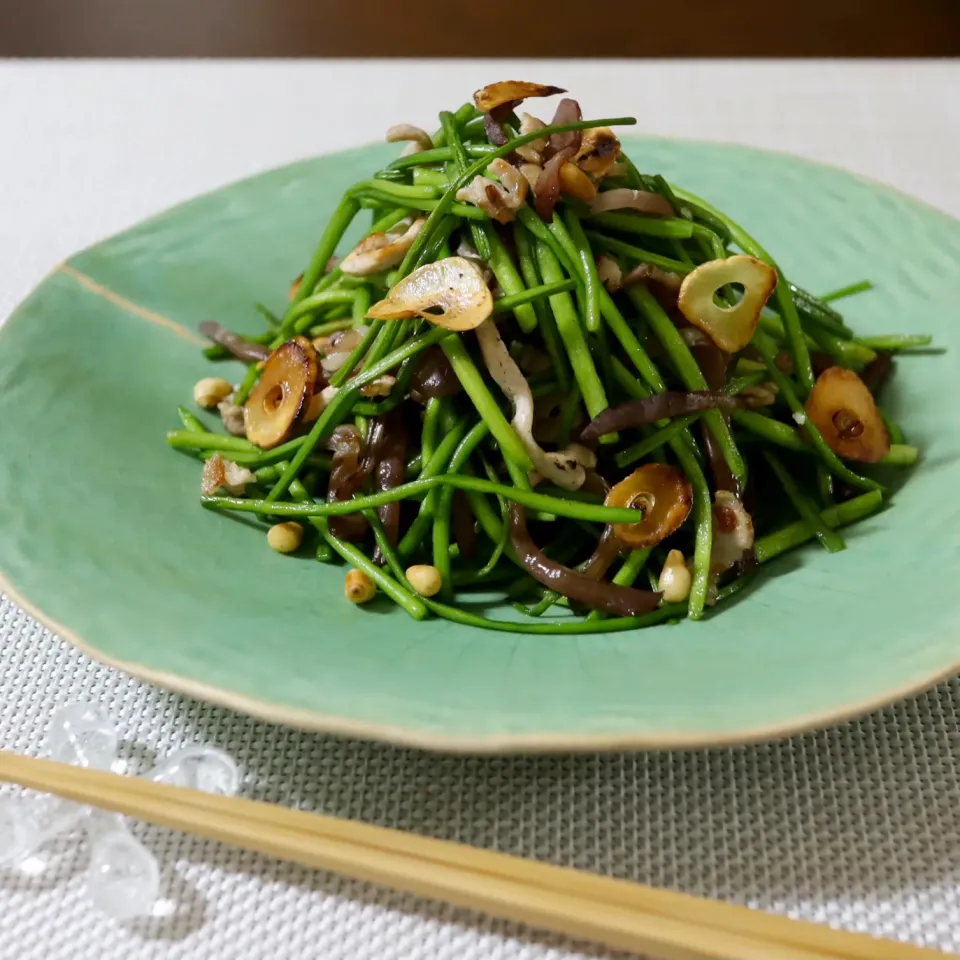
<point>483,28</point>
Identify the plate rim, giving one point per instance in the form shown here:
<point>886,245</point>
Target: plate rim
<point>501,743</point>
<point>497,743</point>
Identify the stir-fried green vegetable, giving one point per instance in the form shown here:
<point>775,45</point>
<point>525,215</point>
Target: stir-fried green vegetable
<point>546,374</point>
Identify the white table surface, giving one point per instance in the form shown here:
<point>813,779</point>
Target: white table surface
<point>858,826</point>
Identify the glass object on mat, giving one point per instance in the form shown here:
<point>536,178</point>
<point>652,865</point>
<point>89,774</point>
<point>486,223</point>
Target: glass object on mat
<point>123,877</point>
<point>200,768</point>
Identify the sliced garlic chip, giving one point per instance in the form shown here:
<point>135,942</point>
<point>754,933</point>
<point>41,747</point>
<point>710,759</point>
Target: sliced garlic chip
<point>494,95</point>
<point>380,251</point>
<point>575,183</point>
<point>449,293</point>
<point>730,328</point>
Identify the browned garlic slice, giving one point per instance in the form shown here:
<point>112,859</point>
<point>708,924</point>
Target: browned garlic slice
<point>599,149</point>
<point>450,293</point>
<point>380,251</point>
<point>315,406</point>
<point>495,95</point>
<point>575,183</point>
<point>842,408</point>
<point>282,392</point>
<point>499,201</point>
<point>318,403</point>
<point>730,328</point>
<point>467,250</point>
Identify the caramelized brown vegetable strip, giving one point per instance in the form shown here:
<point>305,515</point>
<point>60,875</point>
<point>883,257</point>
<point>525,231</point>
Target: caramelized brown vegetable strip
<point>600,595</point>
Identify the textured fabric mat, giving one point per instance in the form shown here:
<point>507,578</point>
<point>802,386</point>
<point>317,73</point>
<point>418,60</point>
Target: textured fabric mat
<point>857,826</point>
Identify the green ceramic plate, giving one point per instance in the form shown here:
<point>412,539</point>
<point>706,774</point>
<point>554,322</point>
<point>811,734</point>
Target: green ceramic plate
<point>104,541</point>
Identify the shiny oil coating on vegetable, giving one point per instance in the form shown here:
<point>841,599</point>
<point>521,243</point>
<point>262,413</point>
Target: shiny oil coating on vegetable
<point>547,373</point>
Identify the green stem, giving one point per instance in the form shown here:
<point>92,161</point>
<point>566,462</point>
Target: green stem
<point>634,389</point>
<point>786,436</point>
<point>767,349</point>
<point>510,281</point>
<point>614,625</point>
<point>846,353</point>
<point>816,311</point>
<point>361,304</point>
<point>246,385</point>
<point>703,538</point>
<point>638,254</point>
<point>631,568</point>
<point>782,294</point>
<point>439,155</point>
<point>409,601</point>
<point>736,385</point>
<point>398,192</point>
<point>545,320</point>
<point>654,441</point>
<point>342,403</point>
<point>302,316</point>
<point>332,326</point>
<point>690,374</point>
<point>571,333</point>
<point>568,413</point>
<point>463,210</point>
<point>530,296</point>
<point>631,345</point>
<point>901,455</point>
<point>337,225</point>
<point>574,509</point>
<point>273,322</point>
<point>804,505</point>
<point>527,217</point>
<point>190,422</point>
<point>786,538</point>
<point>425,176</point>
<point>847,291</point>
<point>676,227</point>
<point>445,203</point>
<point>588,269</point>
<point>481,239</point>
<point>476,388</point>
<point>357,354</point>
<point>437,460</point>
<point>191,439</point>
<point>896,342</point>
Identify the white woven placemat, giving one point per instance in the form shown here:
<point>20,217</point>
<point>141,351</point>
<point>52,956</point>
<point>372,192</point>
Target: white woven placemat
<point>857,826</point>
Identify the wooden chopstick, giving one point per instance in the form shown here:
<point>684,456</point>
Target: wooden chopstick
<point>622,915</point>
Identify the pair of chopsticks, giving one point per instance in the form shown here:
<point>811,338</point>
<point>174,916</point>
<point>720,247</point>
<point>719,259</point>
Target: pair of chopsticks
<point>621,915</point>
